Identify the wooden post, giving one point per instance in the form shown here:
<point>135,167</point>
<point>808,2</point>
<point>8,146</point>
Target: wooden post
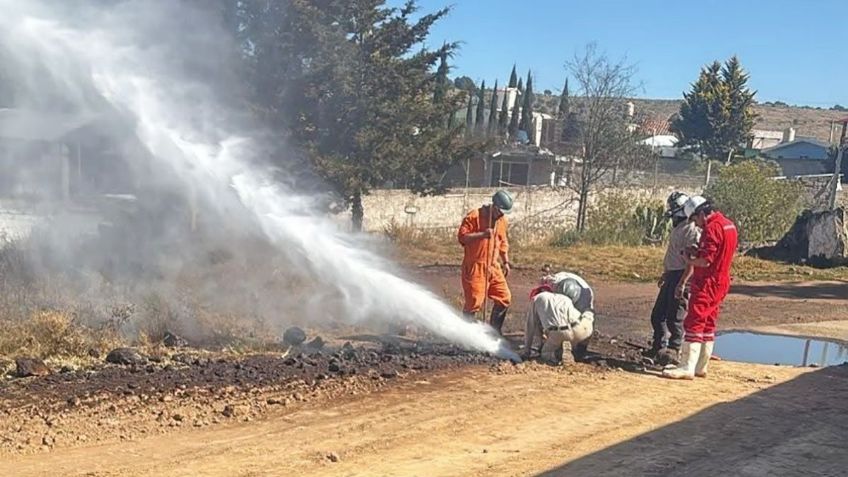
<point>709,169</point>
<point>65,165</point>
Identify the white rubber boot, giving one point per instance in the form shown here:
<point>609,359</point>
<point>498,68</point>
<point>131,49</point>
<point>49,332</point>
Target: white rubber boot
<point>688,361</point>
<point>704,359</point>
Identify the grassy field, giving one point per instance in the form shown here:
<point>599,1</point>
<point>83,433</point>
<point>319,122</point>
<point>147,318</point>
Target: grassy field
<point>613,263</point>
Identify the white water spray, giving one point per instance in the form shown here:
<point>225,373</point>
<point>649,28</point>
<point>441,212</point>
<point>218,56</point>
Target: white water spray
<point>180,122</point>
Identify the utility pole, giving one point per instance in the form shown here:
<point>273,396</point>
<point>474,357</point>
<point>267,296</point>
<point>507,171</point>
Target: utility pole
<point>837,167</point>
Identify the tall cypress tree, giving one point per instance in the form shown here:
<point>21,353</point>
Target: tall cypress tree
<point>520,85</point>
<point>469,115</point>
<point>441,78</point>
<point>513,78</point>
<point>503,120</point>
<point>493,111</point>
<point>480,119</point>
<point>514,119</point>
<point>564,106</point>
<point>526,123</point>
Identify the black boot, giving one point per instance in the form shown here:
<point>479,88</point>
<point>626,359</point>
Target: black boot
<point>498,317</point>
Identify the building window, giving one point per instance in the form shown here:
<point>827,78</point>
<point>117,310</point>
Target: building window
<point>509,173</point>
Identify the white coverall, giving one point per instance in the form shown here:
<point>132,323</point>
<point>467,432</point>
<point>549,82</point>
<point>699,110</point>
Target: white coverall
<point>556,316</point>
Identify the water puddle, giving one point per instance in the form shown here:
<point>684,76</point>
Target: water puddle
<point>779,349</point>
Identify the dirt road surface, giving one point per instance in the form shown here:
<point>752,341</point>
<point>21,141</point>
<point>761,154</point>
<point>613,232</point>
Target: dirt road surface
<point>419,412</point>
<point>624,308</point>
<point>528,420</point>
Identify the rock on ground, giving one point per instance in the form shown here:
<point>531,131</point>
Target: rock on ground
<point>294,336</point>
<point>26,367</point>
<point>125,356</point>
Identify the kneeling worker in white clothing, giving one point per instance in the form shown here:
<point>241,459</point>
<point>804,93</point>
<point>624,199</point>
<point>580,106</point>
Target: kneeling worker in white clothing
<point>556,324</point>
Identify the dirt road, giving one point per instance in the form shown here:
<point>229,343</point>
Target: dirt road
<point>529,420</point>
<point>624,308</point>
<point>398,411</point>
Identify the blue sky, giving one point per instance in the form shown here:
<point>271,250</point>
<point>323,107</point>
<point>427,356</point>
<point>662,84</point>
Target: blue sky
<point>791,48</point>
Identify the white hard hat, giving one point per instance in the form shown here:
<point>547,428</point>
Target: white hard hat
<point>692,204</point>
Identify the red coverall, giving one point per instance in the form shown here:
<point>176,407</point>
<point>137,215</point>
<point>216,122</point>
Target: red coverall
<point>478,255</point>
<point>710,284</point>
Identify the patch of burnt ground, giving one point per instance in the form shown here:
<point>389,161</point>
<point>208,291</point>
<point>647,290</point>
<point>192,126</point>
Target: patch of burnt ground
<point>182,370</point>
<point>189,388</point>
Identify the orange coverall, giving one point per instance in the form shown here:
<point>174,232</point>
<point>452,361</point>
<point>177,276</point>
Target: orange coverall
<point>478,255</point>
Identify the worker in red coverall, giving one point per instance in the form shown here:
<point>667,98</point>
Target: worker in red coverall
<point>709,286</point>
<point>483,233</point>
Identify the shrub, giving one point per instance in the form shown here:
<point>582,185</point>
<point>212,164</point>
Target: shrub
<point>762,207</point>
<point>617,219</point>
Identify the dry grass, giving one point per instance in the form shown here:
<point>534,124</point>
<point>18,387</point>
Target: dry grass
<point>54,335</point>
<point>616,263</point>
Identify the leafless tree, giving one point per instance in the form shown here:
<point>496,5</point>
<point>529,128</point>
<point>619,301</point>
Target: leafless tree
<point>602,136</point>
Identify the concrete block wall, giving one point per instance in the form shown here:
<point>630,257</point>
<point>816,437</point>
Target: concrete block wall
<point>536,208</point>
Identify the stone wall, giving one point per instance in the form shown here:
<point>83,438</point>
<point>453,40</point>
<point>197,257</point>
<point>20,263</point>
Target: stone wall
<point>536,208</point>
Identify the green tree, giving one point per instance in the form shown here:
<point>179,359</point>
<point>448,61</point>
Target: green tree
<point>353,87</point>
<point>740,108</point>
<point>702,112</point>
<point>717,113</point>
<point>469,115</point>
<point>465,83</point>
<point>441,87</point>
<point>515,118</point>
<point>480,116</point>
<point>513,78</point>
<point>520,85</point>
<point>762,207</point>
<point>564,105</point>
<point>526,122</point>
<point>492,128</point>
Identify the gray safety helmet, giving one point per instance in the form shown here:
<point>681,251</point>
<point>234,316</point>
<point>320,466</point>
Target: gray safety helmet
<point>570,288</point>
<point>503,201</point>
<point>675,204</point>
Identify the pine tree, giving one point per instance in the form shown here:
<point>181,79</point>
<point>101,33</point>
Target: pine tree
<point>564,106</point>
<point>360,136</point>
<point>526,123</point>
<point>717,114</point>
<point>493,111</point>
<point>469,115</point>
<point>741,114</point>
<point>513,78</point>
<point>480,117</point>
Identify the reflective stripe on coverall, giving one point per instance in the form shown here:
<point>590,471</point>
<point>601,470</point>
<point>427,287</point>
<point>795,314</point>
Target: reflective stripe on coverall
<point>710,285</point>
<point>479,254</point>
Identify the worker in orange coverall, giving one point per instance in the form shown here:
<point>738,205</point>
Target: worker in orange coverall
<point>483,234</point>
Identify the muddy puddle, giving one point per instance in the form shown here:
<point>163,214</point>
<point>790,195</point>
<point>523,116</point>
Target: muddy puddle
<point>779,349</point>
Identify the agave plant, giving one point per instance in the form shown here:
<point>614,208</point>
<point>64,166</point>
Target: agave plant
<point>653,223</point>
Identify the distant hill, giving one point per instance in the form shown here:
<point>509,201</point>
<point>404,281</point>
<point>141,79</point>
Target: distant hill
<point>806,121</point>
